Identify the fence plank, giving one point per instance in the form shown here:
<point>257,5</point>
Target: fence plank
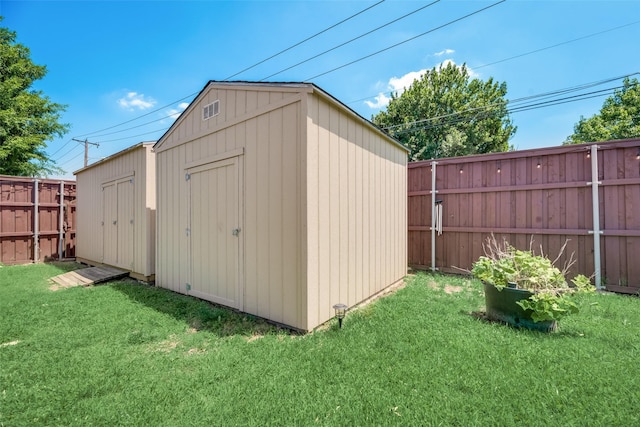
<point>17,219</point>
<point>537,197</point>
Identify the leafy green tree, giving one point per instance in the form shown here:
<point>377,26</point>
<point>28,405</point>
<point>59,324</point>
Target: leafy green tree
<point>447,113</point>
<point>619,117</point>
<point>27,117</point>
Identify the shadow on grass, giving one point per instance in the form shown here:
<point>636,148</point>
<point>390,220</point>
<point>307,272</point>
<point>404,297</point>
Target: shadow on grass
<point>557,334</point>
<point>198,314</point>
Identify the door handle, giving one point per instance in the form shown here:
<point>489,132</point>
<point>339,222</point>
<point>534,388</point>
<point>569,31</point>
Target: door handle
<point>235,231</point>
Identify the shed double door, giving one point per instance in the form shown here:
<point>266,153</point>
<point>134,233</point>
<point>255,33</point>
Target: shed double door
<point>118,223</point>
<point>214,230</point>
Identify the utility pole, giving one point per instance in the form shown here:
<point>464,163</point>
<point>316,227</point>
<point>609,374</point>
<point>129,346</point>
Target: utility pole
<point>86,149</point>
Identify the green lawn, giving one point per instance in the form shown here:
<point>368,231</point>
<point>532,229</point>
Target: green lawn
<point>130,354</point>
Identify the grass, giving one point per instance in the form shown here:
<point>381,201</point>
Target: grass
<point>130,354</point>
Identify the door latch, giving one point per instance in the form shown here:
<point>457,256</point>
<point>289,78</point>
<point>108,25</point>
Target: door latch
<point>235,231</point>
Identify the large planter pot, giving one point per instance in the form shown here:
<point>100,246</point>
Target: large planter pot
<point>501,306</point>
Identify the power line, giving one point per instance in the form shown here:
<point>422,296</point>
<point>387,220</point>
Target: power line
<point>67,153</point>
<point>139,117</point>
<point>70,160</point>
<point>297,44</point>
<point>134,136</point>
<point>352,40</point>
<point>305,40</point>
<point>389,93</point>
<point>459,117</point>
<point>248,68</point>
<point>519,100</point>
<point>406,41</point>
<point>135,127</point>
<point>555,45</point>
<point>61,147</point>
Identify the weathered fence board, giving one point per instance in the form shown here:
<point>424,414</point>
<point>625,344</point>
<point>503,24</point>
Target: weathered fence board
<point>30,221</point>
<point>539,197</point>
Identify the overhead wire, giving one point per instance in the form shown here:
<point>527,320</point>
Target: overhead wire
<point>132,136</point>
<point>66,154</point>
<point>351,40</point>
<point>407,40</point>
<point>242,71</point>
<point>327,72</point>
<point>523,99</point>
<point>70,160</point>
<point>334,69</point>
<point>305,40</point>
<point>139,117</point>
<point>389,93</point>
<point>555,45</point>
<point>461,116</point>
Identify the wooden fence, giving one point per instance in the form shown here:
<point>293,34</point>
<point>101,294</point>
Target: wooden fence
<point>36,225</point>
<point>542,196</point>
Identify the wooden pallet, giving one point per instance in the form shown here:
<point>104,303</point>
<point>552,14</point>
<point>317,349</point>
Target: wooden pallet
<point>87,276</point>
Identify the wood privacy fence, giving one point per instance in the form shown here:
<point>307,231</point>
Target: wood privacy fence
<point>37,219</point>
<point>542,196</point>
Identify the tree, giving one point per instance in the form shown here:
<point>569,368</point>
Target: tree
<point>27,117</point>
<point>619,117</point>
<point>446,113</point>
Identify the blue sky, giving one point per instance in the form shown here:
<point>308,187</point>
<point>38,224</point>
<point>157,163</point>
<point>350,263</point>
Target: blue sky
<point>135,63</point>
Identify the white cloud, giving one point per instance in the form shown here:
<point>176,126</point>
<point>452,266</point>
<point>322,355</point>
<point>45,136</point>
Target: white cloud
<point>444,52</point>
<point>397,85</point>
<point>400,84</point>
<point>175,112</point>
<point>135,100</point>
<point>381,101</point>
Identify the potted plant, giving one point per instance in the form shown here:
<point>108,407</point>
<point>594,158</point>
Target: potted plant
<point>527,290</point>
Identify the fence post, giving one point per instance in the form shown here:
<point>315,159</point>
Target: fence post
<point>61,221</point>
<point>596,215</point>
<point>433,215</point>
<point>36,221</point>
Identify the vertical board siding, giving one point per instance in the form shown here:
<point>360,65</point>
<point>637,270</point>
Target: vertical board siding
<point>105,193</point>
<point>269,198</point>
<point>17,219</point>
<point>323,200</point>
<point>356,210</point>
<point>535,197</point>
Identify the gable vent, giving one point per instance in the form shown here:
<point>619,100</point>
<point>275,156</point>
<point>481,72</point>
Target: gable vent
<point>211,110</point>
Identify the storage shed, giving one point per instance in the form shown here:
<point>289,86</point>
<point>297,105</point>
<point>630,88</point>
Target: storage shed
<point>116,209</point>
<point>278,200</point>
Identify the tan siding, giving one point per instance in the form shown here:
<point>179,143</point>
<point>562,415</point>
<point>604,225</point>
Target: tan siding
<point>356,227</point>
<point>270,232</point>
<point>136,240</point>
<point>320,201</point>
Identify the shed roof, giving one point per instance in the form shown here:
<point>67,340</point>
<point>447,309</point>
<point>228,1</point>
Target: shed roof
<point>119,153</point>
<point>299,86</point>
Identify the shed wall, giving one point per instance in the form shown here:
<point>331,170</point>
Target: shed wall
<point>138,163</point>
<point>356,183</point>
<point>262,128</point>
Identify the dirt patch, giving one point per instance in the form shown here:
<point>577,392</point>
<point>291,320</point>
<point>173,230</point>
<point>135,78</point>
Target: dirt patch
<point>453,289</point>
<point>193,351</point>
<point>254,337</point>
<point>449,289</point>
<point>167,345</point>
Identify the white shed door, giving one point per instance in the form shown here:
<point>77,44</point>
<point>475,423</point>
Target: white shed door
<point>214,194</point>
<point>118,223</point>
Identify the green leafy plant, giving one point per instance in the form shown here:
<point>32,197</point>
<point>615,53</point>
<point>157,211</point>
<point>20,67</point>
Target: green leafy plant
<point>503,265</point>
